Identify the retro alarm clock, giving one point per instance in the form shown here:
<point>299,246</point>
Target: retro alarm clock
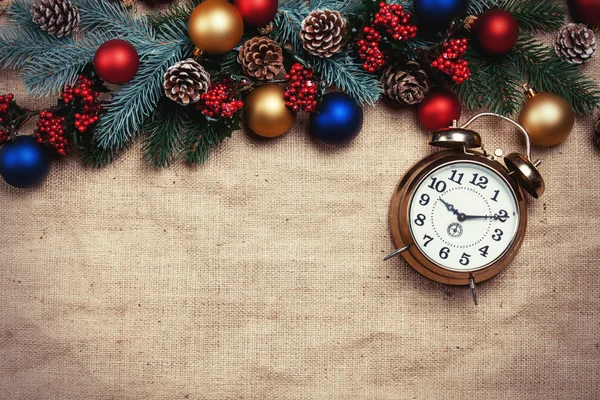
<point>459,215</point>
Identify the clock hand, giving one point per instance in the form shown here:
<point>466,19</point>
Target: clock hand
<point>464,217</point>
<point>450,207</point>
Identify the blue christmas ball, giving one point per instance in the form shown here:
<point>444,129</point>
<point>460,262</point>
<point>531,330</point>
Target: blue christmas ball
<point>439,12</point>
<point>339,119</point>
<point>24,163</point>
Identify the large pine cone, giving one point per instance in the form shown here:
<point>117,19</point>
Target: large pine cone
<point>576,43</point>
<point>405,84</point>
<point>185,81</point>
<point>323,32</point>
<point>261,58</point>
<point>57,17</point>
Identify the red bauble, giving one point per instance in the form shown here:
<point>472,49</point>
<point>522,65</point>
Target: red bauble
<point>587,11</point>
<point>439,109</point>
<point>256,13</point>
<point>497,31</point>
<point>116,61</point>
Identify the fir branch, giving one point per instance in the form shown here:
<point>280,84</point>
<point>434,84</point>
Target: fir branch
<point>341,71</point>
<point>502,95</point>
<point>98,157</point>
<point>203,136</point>
<point>175,12</point>
<point>342,6</point>
<point>288,22</point>
<point>535,15</point>
<point>52,70</point>
<point>19,12</point>
<point>231,67</point>
<point>18,44</point>
<point>472,91</point>
<point>547,72</point>
<point>165,133</point>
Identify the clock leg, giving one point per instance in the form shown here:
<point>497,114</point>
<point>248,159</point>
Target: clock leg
<point>473,290</point>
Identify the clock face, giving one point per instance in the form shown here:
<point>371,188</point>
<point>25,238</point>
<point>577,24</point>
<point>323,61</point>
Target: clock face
<point>463,216</point>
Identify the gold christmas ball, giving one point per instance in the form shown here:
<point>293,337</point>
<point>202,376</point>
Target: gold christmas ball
<point>215,26</point>
<point>266,113</point>
<point>548,118</point>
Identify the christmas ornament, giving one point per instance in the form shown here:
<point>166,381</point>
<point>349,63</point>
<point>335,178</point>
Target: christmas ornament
<point>256,13</point>
<point>323,32</point>
<point>497,31</point>
<point>301,89</point>
<point>458,216</point>
<point>339,119</point>
<point>548,118</point>
<point>451,61</point>
<point>368,50</point>
<point>394,20</point>
<point>57,17</point>
<point>220,100</point>
<point>185,81</point>
<point>597,131</point>
<point>438,12</point>
<point>24,163</point>
<point>266,113</point>
<point>439,109</point>
<point>215,26</point>
<point>586,11</point>
<point>576,43</point>
<point>116,61</point>
<point>405,84</point>
<point>261,58</point>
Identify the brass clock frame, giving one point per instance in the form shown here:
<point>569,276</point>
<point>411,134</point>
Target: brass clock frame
<point>401,233</point>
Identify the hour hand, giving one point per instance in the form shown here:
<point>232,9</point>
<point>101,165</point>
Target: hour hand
<point>464,217</point>
<point>450,207</point>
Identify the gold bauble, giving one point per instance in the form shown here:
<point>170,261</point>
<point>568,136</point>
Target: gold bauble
<point>548,118</point>
<point>215,26</point>
<point>266,113</point>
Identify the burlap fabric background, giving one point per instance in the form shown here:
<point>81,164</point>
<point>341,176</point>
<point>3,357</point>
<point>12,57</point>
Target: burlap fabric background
<point>260,275</point>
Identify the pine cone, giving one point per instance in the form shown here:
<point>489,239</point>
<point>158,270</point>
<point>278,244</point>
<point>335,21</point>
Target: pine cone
<point>185,81</point>
<point>597,131</point>
<point>261,58</point>
<point>323,32</point>
<point>576,43</point>
<point>405,84</point>
<point>57,17</point>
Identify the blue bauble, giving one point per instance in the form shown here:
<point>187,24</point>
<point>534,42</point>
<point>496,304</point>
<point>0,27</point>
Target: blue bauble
<point>439,12</point>
<point>339,120</point>
<point>24,163</point>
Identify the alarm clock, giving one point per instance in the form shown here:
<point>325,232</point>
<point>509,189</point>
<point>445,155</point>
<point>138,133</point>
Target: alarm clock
<point>459,216</point>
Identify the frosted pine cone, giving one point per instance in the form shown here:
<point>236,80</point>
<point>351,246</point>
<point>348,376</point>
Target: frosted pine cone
<point>185,81</point>
<point>261,58</point>
<point>576,43</point>
<point>57,17</point>
<point>323,32</point>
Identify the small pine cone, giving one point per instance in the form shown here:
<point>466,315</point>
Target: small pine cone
<point>261,58</point>
<point>57,17</point>
<point>185,81</point>
<point>405,84</point>
<point>323,32</point>
<point>597,131</point>
<point>576,43</point>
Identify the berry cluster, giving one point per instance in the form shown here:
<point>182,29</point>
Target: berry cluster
<point>83,96</point>
<point>369,51</point>
<point>4,105</point>
<point>219,100</point>
<point>301,89</point>
<point>451,60</point>
<point>51,131</point>
<point>394,20</point>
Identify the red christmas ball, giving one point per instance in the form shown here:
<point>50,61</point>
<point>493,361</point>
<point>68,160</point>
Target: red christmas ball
<point>497,31</point>
<point>257,13</point>
<point>116,61</point>
<point>439,109</point>
<point>586,11</point>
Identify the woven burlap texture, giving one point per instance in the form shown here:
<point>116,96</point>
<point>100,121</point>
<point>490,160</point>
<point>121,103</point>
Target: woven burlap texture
<point>260,276</point>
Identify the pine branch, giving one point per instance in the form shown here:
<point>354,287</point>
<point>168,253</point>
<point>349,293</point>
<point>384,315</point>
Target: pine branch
<point>165,133</point>
<point>547,72</point>
<point>288,22</point>
<point>98,157</point>
<point>502,95</point>
<point>342,71</point>
<point>472,91</point>
<point>342,6</point>
<point>175,12</point>
<point>535,15</point>
<point>203,136</point>
<point>18,44</point>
